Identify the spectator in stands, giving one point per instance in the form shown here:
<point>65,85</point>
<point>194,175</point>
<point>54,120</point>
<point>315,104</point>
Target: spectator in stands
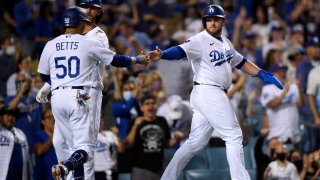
<point>312,58</point>
<point>105,156</point>
<point>260,25</point>
<point>281,168</point>
<point>295,56</point>
<point>254,112</point>
<point>313,92</point>
<point>125,99</point>
<point>23,66</point>
<point>282,108</point>
<point>311,165</point>
<point>45,156</point>
<point>8,23</point>
<point>14,148</point>
<point>24,15</point>
<point>156,83</point>
<point>296,35</point>
<point>7,62</point>
<point>296,158</point>
<point>151,12</point>
<point>178,80</point>
<point>129,41</point>
<point>273,57</point>
<point>28,109</point>
<point>262,159</point>
<point>148,136</point>
<point>178,114</point>
<point>43,27</point>
<point>276,39</point>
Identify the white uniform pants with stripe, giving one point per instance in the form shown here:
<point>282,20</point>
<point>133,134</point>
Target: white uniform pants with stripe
<point>96,99</point>
<point>212,110</point>
<point>74,127</point>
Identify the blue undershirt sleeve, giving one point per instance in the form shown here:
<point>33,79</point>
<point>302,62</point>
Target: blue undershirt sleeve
<point>121,61</point>
<point>173,53</point>
<point>45,78</point>
<point>239,66</point>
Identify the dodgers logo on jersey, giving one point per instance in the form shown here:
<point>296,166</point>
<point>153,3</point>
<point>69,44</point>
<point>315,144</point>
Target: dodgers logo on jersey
<point>220,57</point>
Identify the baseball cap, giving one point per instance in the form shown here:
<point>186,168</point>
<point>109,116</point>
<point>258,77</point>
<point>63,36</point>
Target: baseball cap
<point>278,66</point>
<point>175,107</point>
<point>5,110</point>
<point>276,27</point>
<point>296,28</point>
<point>295,50</point>
<point>314,41</point>
<point>248,35</point>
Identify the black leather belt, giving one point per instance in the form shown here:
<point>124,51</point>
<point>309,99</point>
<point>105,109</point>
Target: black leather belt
<point>72,87</point>
<point>225,90</point>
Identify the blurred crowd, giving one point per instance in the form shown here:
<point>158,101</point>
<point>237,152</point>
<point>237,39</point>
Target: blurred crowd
<point>281,37</point>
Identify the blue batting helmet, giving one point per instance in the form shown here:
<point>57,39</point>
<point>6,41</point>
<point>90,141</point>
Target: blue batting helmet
<point>94,3</point>
<point>212,10</point>
<point>73,15</point>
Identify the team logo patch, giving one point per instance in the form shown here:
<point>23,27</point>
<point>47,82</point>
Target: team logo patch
<point>211,9</point>
<point>67,21</point>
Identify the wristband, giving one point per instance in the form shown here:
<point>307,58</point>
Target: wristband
<point>138,60</point>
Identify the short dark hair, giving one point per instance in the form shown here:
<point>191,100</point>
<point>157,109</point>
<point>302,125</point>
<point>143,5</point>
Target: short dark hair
<point>147,97</point>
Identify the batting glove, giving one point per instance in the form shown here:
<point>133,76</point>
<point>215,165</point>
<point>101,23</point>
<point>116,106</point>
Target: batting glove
<point>268,78</point>
<point>42,95</point>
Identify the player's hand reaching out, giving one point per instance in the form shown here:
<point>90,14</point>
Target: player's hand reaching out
<point>155,55</point>
<point>142,59</point>
<point>268,78</point>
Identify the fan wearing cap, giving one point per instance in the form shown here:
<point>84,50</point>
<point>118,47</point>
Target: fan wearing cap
<point>295,56</point>
<point>313,92</point>
<point>282,107</point>
<point>13,147</point>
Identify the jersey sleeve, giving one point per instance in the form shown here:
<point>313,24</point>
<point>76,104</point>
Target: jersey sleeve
<point>102,53</point>
<point>237,58</point>
<point>44,65</point>
<point>312,85</point>
<point>192,48</point>
<point>102,38</point>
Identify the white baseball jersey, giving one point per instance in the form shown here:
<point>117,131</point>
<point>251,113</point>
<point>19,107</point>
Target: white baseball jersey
<point>70,59</point>
<point>105,156</point>
<point>284,119</point>
<point>99,35</point>
<point>212,60</point>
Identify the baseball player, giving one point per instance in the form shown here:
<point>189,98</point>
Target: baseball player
<point>67,66</point>
<point>212,57</point>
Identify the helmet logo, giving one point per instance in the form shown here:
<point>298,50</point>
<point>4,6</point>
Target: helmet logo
<point>211,9</point>
<point>66,20</point>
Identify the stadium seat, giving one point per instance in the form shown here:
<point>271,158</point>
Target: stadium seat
<point>212,174</point>
<point>199,161</point>
<point>217,158</point>
<point>124,176</point>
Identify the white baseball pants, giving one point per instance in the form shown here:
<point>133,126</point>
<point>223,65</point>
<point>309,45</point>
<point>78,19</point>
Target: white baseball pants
<point>212,110</point>
<point>74,127</point>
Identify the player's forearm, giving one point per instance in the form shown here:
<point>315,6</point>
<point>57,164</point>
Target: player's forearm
<point>313,106</point>
<point>124,61</point>
<point>173,53</point>
<point>250,68</point>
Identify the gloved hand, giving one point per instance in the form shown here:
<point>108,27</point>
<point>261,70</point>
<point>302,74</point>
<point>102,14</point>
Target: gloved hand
<point>268,78</point>
<point>42,96</point>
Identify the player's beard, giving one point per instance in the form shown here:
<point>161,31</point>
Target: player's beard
<point>216,32</point>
